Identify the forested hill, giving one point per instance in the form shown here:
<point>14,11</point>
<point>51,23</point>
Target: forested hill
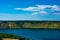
<point>29,24</point>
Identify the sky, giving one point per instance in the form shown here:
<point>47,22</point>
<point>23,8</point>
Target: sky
<point>30,10</point>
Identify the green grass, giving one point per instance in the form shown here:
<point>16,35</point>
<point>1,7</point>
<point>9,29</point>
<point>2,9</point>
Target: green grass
<point>8,36</point>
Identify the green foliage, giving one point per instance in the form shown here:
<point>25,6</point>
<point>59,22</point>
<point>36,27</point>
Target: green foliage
<point>8,36</point>
<point>11,36</point>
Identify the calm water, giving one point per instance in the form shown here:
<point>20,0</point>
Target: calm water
<point>35,34</point>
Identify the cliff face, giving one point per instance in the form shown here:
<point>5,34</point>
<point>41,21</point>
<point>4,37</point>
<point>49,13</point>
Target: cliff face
<point>29,24</point>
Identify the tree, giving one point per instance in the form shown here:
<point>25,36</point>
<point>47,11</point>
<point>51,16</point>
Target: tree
<point>12,25</point>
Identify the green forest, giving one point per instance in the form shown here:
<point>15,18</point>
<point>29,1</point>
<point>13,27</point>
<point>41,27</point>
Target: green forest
<point>30,24</point>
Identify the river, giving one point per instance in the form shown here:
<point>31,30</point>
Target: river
<point>35,34</point>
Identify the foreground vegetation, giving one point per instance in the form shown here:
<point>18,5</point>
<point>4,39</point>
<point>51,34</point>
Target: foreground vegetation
<point>11,37</point>
<point>30,24</point>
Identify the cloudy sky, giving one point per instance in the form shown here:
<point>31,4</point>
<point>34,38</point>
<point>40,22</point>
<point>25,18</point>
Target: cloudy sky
<point>29,9</point>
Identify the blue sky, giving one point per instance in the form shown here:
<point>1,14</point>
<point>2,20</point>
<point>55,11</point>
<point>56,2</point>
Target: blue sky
<point>29,9</point>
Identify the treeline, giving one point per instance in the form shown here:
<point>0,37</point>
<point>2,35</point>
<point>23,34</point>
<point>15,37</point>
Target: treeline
<point>29,24</point>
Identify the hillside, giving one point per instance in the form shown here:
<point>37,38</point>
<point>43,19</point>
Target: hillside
<point>10,36</point>
<point>29,24</point>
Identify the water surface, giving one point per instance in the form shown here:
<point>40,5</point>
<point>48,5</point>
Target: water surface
<point>35,34</point>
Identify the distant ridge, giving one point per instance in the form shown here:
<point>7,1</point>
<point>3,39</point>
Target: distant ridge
<point>29,24</point>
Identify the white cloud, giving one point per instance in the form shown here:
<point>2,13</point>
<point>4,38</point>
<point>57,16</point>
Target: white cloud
<point>40,12</point>
<point>37,9</point>
<point>43,12</point>
<point>42,7</point>
<point>56,8</point>
<point>17,8</point>
<point>34,13</point>
<point>30,9</point>
<point>27,9</point>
